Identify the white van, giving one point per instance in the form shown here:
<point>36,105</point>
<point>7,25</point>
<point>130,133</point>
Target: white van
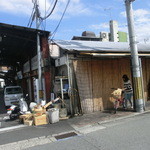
<point>12,94</point>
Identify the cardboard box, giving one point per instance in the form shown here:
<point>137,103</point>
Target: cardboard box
<point>38,112</point>
<point>25,117</point>
<point>40,120</point>
<point>28,122</point>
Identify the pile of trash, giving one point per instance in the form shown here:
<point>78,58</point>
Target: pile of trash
<point>40,115</point>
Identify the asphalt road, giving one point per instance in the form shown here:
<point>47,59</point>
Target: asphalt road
<point>128,134</point>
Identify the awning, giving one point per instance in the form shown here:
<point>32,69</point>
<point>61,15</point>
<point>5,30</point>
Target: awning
<point>17,43</point>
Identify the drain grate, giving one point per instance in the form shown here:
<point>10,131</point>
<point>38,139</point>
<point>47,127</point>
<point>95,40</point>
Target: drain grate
<point>66,135</point>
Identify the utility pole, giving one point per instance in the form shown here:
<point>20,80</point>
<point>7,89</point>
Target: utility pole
<point>136,69</point>
<point>37,15</point>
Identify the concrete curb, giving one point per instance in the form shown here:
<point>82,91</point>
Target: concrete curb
<point>24,144</point>
<point>99,125</point>
<point>123,117</point>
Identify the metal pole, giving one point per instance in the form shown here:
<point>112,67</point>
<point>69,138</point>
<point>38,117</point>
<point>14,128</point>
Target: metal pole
<point>136,69</point>
<point>38,55</point>
<point>61,85</point>
<point>70,85</point>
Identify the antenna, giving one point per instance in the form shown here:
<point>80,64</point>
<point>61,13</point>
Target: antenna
<point>146,40</point>
<point>109,10</point>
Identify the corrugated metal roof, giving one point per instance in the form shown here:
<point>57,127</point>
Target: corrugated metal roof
<point>97,46</point>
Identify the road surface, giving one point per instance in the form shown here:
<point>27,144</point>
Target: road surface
<point>129,134</point>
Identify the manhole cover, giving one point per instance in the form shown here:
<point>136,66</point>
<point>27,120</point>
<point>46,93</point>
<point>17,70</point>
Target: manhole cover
<point>66,135</point>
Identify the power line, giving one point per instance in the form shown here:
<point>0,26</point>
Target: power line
<point>53,34</point>
<point>32,20</point>
<point>43,18</point>
<point>50,6</point>
<point>36,12</point>
<point>31,17</point>
<point>46,11</point>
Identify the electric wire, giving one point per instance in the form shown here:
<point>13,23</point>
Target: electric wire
<point>50,6</point>
<point>54,32</point>
<point>42,25</point>
<point>32,20</point>
<point>31,17</point>
<point>43,18</point>
<point>46,11</point>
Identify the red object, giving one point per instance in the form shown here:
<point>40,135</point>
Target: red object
<point>47,70</point>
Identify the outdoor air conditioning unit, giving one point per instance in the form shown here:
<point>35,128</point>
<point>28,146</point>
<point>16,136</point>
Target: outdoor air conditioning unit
<point>60,61</point>
<point>104,36</point>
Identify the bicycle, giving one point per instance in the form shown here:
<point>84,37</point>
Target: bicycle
<point>119,99</point>
<point>118,102</point>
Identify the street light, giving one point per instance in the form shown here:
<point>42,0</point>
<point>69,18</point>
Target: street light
<point>136,68</point>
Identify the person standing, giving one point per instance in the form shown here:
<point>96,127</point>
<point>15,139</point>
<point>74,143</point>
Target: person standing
<point>128,91</point>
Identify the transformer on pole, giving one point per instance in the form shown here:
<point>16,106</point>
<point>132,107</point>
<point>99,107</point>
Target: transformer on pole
<point>136,68</point>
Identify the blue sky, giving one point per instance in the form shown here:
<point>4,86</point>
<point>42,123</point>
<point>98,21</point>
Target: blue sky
<point>81,15</point>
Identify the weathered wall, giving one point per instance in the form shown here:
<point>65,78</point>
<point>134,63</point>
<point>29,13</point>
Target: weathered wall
<point>95,78</point>
<point>146,77</point>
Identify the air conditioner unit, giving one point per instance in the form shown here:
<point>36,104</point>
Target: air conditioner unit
<point>104,36</point>
<point>60,61</point>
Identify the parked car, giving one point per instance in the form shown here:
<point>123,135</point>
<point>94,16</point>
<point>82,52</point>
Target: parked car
<point>12,94</point>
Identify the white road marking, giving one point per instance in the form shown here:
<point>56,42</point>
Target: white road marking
<point>20,145</point>
<point>90,129</point>
<point>6,117</point>
<point>12,128</point>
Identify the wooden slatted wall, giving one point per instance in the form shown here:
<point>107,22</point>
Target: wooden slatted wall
<point>95,78</point>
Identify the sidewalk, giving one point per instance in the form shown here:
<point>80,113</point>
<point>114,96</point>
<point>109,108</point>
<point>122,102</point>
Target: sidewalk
<point>99,117</point>
<point>81,124</point>
<point>103,117</point>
